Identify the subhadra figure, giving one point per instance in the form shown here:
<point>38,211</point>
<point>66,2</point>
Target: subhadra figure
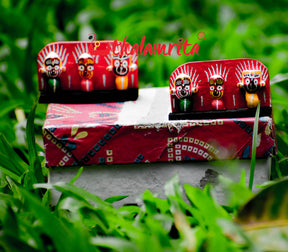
<point>216,91</point>
<point>86,67</point>
<point>251,81</point>
<point>51,67</point>
<point>217,76</point>
<point>182,87</point>
<point>121,65</point>
<point>85,63</point>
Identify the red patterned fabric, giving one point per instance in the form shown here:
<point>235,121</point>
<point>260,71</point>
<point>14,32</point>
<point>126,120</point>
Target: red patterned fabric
<point>85,134</point>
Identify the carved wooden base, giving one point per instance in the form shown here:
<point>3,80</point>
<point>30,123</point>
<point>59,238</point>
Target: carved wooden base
<point>95,96</point>
<point>242,112</point>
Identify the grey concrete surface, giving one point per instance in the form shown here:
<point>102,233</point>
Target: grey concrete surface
<point>134,179</point>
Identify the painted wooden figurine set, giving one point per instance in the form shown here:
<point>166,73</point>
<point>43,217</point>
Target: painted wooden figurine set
<point>219,89</point>
<point>80,72</point>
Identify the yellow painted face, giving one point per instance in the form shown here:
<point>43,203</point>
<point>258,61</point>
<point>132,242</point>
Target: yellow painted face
<point>86,67</point>
<point>252,80</point>
<point>216,87</point>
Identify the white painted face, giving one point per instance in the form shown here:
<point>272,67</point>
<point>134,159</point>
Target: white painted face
<point>52,65</point>
<point>183,86</point>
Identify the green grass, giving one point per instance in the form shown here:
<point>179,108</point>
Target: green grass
<point>188,219</point>
<point>254,143</point>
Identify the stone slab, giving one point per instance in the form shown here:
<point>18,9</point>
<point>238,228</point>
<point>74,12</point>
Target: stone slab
<point>133,179</point>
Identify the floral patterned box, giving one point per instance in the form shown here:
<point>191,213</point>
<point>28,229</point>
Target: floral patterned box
<point>140,131</point>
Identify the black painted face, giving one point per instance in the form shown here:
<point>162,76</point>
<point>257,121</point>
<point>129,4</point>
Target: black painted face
<point>121,65</point>
<point>251,84</point>
<point>251,80</point>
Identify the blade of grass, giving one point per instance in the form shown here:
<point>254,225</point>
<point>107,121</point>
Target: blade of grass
<point>72,181</point>
<point>114,243</point>
<point>8,166</point>
<point>59,232</point>
<point>275,166</point>
<point>7,151</point>
<point>76,192</point>
<point>254,139</point>
<point>8,106</point>
<point>115,198</point>
<point>35,164</point>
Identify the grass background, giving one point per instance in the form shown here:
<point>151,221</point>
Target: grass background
<point>252,29</point>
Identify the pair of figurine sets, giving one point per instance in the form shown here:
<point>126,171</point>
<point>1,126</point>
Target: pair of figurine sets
<point>77,72</point>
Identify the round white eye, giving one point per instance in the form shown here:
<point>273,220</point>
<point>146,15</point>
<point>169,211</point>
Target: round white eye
<point>219,88</point>
<point>211,88</point>
<point>247,81</point>
<point>81,68</point>
<point>179,88</point>
<point>49,68</point>
<point>56,68</point>
<point>255,81</point>
<point>125,63</point>
<point>187,88</point>
<point>116,63</point>
<point>90,68</point>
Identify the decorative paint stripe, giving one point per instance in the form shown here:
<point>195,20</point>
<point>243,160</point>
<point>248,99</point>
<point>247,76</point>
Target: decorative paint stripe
<point>214,73</point>
<point>217,104</point>
<point>42,59</point>
<point>207,75</point>
<point>193,76</point>
<point>42,83</point>
<point>97,58</point>
<point>201,101</point>
<point>75,57</point>
<point>185,105</point>
<point>83,50</point>
<point>107,61</point>
<point>69,81</point>
<point>251,100</point>
<point>224,70</point>
<point>104,80</point>
<point>132,79</point>
<point>264,96</point>
<point>210,73</point>
<point>234,101</point>
<point>54,85</point>
<point>60,52</point>
<point>122,82</point>
<point>173,103</point>
<point>87,85</point>
<point>227,74</point>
